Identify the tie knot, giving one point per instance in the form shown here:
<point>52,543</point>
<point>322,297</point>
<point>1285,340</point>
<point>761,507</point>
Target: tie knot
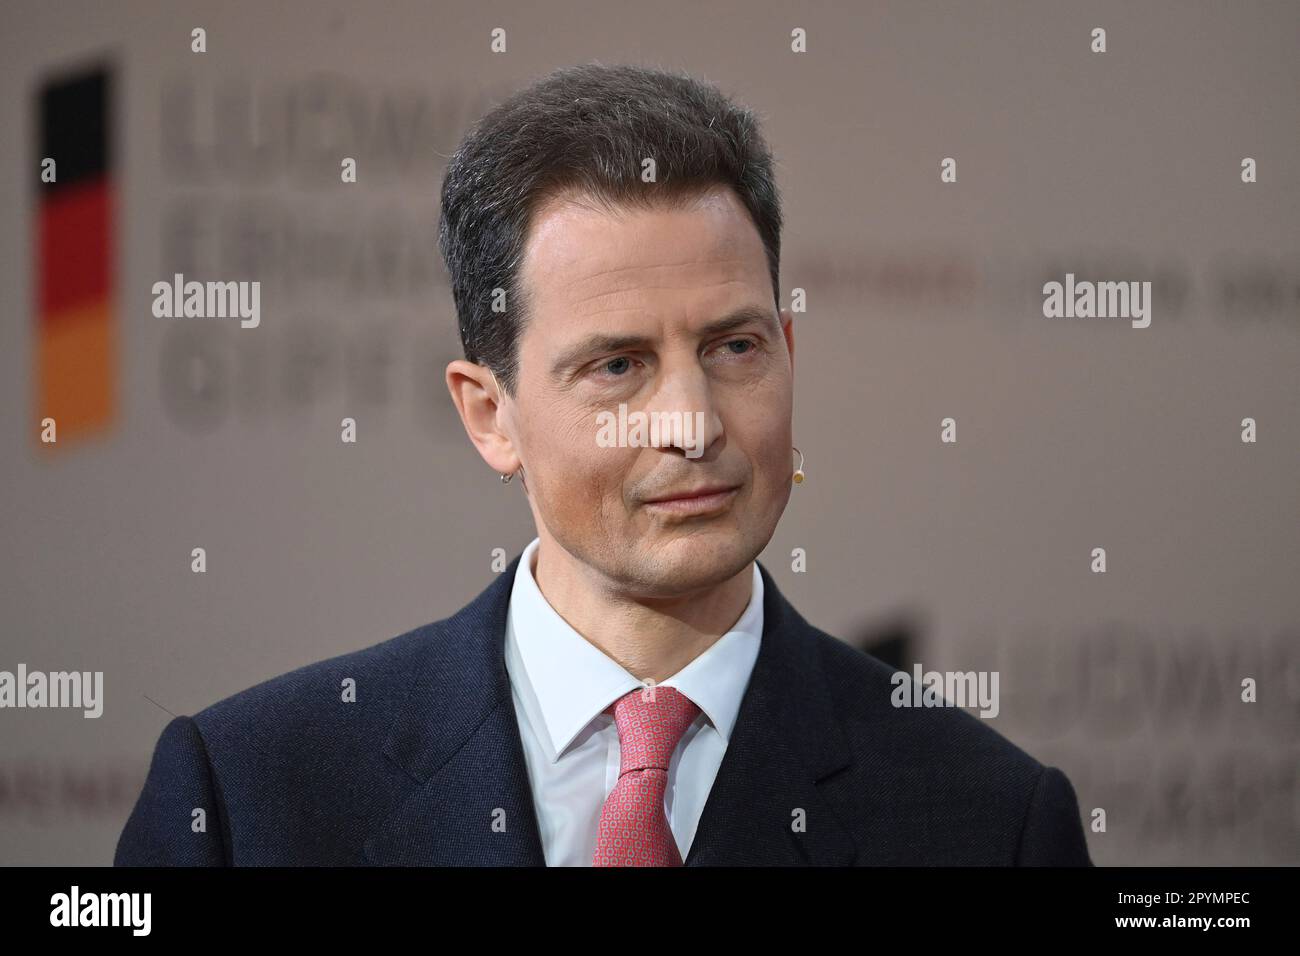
<point>650,721</point>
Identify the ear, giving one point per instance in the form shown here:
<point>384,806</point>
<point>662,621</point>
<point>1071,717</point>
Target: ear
<point>474,391</point>
<point>787,327</point>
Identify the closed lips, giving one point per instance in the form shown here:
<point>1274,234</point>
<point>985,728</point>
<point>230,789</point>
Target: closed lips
<point>696,493</point>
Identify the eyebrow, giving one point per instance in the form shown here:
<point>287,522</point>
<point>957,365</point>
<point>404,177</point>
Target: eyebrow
<point>600,343</point>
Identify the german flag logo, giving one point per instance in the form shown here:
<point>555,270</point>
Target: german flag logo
<point>76,328</point>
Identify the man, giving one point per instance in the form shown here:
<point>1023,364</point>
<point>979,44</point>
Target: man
<point>634,690</point>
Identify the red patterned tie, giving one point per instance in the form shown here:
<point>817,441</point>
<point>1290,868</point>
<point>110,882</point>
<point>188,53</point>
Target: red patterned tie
<point>633,828</point>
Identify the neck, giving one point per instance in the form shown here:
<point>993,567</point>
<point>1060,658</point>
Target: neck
<point>651,638</point>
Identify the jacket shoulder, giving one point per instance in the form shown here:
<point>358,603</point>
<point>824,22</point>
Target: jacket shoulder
<point>294,765</point>
<point>307,694</point>
<point>866,690</point>
<point>287,772</point>
<point>958,790</point>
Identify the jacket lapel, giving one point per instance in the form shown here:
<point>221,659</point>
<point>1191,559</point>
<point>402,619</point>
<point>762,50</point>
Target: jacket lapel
<point>457,740</point>
<point>467,801</point>
<point>785,741</point>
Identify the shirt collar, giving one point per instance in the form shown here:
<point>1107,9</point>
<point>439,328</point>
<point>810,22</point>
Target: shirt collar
<point>566,681</point>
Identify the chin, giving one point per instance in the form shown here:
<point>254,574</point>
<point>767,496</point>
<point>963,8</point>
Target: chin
<point>682,558</point>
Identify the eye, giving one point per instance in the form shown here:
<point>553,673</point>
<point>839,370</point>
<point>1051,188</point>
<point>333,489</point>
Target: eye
<point>609,369</point>
<point>738,348</point>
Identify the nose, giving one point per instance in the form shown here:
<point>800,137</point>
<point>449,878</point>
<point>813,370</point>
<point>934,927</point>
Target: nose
<point>687,412</point>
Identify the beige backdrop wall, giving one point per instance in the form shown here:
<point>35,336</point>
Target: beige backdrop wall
<point>923,302</point>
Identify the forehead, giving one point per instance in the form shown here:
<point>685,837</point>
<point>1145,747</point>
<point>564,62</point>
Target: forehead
<point>583,259</point>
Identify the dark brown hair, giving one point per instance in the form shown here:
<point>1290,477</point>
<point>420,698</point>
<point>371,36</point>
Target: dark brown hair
<point>586,130</point>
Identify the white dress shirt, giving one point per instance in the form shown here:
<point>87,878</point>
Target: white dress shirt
<point>561,683</point>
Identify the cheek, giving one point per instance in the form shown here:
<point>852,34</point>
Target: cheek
<point>574,475</point>
<point>762,430</point>
<point>776,475</point>
<point>554,433</point>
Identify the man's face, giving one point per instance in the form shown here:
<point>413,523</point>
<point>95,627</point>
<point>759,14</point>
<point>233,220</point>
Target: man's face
<point>662,311</point>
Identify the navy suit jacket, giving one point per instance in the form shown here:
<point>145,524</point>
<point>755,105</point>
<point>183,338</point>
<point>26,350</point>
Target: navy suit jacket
<point>418,768</point>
